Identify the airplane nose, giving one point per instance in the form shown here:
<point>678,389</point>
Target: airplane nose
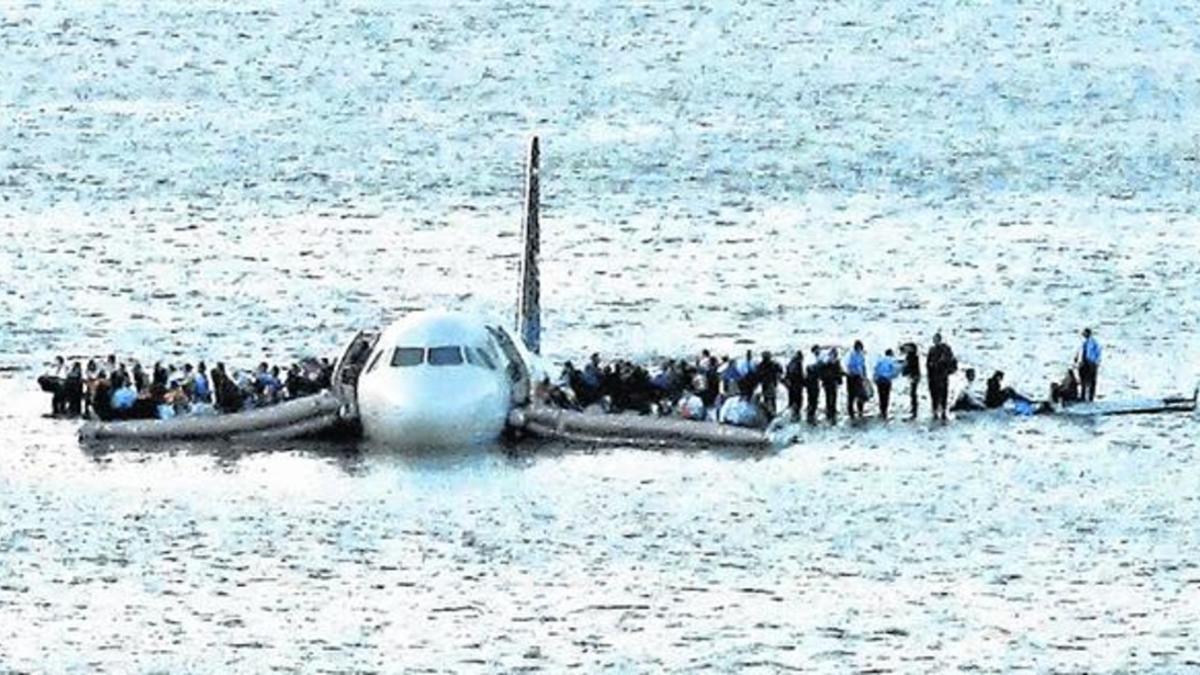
<point>465,416</point>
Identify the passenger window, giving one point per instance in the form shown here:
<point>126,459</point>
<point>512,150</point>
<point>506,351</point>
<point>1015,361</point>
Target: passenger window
<point>445,356</point>
<point>408,356</point>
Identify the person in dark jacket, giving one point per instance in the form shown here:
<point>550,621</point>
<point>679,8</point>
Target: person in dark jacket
<point>52,383</point>
<point>997,394</point>
<point>711,371</point>
<point>73,390</point>
<point>1066,391</point>
<point>793,379</point>
<point>831,379</point>
<point>912,371</point>
<point>940,364</point>
<point>812,382</point>
<point>102,397</point>
<point>767,374</point>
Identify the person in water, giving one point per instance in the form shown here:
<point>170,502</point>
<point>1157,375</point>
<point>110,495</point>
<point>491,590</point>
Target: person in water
<point>856,381</point>
<point>940,364</point>
<point>912,371</point>
<point>812,384</point>
<point>1088,361</point>
<point>1066,391</point>
<point>767,374</point>
<point>886,370</point>
<point>968,398</point>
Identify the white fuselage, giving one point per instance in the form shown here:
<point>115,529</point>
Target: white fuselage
<point>439,379</point>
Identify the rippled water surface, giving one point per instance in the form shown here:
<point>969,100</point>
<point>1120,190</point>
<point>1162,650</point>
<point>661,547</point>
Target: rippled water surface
<point>196,180</point>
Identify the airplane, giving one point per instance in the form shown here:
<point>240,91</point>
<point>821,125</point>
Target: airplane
<point>440,378</point>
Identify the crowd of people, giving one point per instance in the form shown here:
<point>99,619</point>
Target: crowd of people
<point>116,389</point>
<point>745,391</point>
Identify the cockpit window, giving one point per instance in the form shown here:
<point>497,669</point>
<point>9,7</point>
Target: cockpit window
<point>408,356</point>
<point>476,356</point>
<point>445,356</point>
<point>374,361</point>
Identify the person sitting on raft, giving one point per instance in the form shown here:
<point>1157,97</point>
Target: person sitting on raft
<point>739,411</point>
<point>968,398</point>
<point>997,394</point>
<point>691,405</point>
<point>1066,391</point>
<point>667,385</point>
<point>267,385</point>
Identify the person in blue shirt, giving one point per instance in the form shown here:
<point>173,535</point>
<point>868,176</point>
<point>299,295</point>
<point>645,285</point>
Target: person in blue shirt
<point>856,381</point>
<point>1088,361</point>
<point>201,389</point>
<point>886,370</point>
<point>123,395</point>
<point>593,376</point>
<point>267,383</point>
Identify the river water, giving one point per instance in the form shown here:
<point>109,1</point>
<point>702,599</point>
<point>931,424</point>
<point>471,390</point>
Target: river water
<point>198,180</point>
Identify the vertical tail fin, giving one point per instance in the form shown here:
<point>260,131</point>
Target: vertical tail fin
<point>529,305</point>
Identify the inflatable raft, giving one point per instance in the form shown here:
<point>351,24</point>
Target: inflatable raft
<point>307,416</point>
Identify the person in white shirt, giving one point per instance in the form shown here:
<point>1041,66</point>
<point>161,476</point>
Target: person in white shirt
<point>968,397</point>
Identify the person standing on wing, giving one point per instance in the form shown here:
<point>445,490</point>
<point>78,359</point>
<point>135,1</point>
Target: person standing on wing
<point>831,379</point>
<point>793,379</point>
<point>940,364</point>
<point>856,381</point>
<point>1088,361</point>
<point>911,370</point>
<point>767,374</point>
<point>886,370</point>
<point>812,384</point>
